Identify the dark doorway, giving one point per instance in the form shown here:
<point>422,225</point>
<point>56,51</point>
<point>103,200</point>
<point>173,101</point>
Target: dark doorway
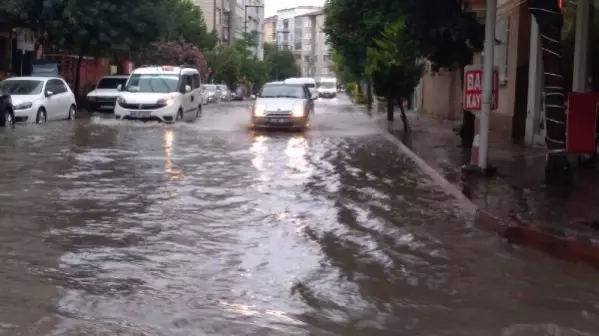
<point>520,104</point>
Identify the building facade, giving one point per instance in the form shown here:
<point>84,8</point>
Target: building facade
<point>285,27</point>
<point>310,47</point>
<point>230,19</point>
<point>269,30</point>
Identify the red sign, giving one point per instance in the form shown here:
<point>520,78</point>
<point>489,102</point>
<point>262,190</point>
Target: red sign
<point>473,89</point>
<point>582,118</point>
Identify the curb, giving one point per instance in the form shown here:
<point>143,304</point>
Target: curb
<point>555,245</point>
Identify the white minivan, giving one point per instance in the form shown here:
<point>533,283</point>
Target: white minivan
<point>160,93</point>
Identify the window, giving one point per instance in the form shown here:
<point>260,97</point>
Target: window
<point>307,59</point>
<point>286,24</point>
<point>196,81</point>
<point>57,86</point>
<point>325,71</point>
<point>307,36</point>
<point>298,45</point>
<point>187,80</point>
<point>307,22</point>
<point>307,47</point>
<point>110,82</point>
<point>325,58</point>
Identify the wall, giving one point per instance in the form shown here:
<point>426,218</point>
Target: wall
<point>442,93</point>
<point>269,30</point>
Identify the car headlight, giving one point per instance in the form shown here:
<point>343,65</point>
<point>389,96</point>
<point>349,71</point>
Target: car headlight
<point>259,111</point>
<point>165,102</point>
<point>23,106</point>
<point>298,112</point>
<point>121,101</point>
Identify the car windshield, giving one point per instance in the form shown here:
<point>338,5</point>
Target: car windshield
<point>282,91</point>
<point>211,88</point>
<point>311,85</point>
<point>152,83</point>
<point>327,85</point>
<point>110,82</point>
<point>22,86</point>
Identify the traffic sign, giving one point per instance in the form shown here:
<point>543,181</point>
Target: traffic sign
<point>473,89</point>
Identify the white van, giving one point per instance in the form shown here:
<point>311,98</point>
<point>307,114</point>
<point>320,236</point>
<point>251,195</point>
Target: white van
<point>160,93</point>
<point>327,88</point>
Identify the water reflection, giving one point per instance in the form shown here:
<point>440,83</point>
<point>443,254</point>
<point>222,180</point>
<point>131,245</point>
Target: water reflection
<point>296,153</point>
<point>258,148</point>
<point>170,171</point>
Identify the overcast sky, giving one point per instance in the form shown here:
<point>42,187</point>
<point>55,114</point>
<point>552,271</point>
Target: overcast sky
<point>271,6</point>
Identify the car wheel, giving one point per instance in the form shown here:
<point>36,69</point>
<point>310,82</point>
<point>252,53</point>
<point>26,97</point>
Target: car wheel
<point>41,116</point>
<point>179,115</point>
<point>72,112</point>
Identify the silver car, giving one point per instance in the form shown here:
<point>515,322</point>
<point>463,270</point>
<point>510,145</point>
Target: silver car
<point>212,93</point>
<point>225,93</point>
<point>280,105</point>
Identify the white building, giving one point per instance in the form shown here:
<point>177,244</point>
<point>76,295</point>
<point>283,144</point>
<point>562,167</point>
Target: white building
<point>310,47</point>
<point>285,28</point>
<point>231,18</point>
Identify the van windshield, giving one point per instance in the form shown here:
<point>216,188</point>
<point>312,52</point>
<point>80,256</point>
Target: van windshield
<point>152,83</point>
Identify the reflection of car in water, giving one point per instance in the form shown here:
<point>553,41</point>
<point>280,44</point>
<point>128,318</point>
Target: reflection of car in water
<point>103,97</point>
<point>280,105</point>
<point>39,99</point>
<point>7,116</point>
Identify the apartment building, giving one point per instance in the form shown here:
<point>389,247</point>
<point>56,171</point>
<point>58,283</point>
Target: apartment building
<point>231,18</point>
<point>285,26</point>
<point>269,30</point>
<point>310,47</point>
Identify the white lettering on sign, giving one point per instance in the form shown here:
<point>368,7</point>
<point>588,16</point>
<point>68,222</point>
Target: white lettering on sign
<point>473,89</point>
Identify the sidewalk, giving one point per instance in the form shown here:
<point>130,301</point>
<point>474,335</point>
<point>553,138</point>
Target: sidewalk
<point>515,204</point>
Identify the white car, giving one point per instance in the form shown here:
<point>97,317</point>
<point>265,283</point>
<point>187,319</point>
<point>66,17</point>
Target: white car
<point>160,93</point>
<point>39,99</point>
<point>327,88</point>
<point>103,97</point>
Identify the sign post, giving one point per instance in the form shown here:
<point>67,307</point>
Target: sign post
<point>474,101</point>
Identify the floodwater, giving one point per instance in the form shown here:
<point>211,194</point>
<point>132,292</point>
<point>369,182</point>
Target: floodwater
<point>206,228</point>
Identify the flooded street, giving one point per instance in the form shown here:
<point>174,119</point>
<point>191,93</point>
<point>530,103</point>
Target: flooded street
<point>206,228</point>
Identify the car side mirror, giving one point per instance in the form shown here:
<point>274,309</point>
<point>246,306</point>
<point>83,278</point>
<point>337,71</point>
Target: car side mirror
<point>119,87</point>
<point>253,96</point>
<point>187,88</point>
<point>49,93</point>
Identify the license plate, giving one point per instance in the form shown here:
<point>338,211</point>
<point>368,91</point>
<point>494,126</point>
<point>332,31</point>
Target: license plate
<point>106,106</point>
<point>279,121</point>
<point>141,114</point>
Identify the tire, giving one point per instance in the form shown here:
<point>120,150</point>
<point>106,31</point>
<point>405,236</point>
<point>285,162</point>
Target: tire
<point>179,116</point>
<point>72,112</point>
<point>41,117</point>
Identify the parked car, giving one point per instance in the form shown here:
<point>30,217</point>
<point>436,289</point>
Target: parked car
<point>237,95</point>
<point>7,115</point>
<point>160,93</point>
<point>212,93</point>
<point>39,99</point>
<point>279,105</point>
<point>225,93</point>
<point>103,97</point>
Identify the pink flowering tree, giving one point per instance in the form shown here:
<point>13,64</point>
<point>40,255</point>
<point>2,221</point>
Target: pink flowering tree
<point>175,53</point>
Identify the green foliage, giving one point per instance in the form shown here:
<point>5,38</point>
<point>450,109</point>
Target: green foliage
<point>393,66</point>
<point>225,63</point>
<point>280,63</point>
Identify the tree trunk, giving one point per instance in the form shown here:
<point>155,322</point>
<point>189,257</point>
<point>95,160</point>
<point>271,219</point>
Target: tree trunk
<point>550,20</point>
<point>390,108</point>
<point>77,84</point>
<point>404,117</point>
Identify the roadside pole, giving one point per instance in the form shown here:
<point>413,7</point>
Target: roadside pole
<point>489,46</point>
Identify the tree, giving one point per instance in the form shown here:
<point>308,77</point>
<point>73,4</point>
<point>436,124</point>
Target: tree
<point>280,63</point>
<point>550,19</point>
<point>225,62</point>
<point>447,37</point>
<point>393,67</point>
<point>175,53</point>
<point>183,21</point>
